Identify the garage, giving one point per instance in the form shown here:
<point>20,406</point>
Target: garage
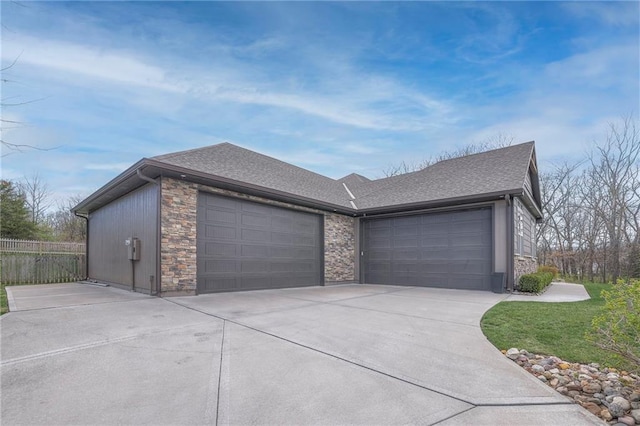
<point>448,249</point>
<point>244,245</point>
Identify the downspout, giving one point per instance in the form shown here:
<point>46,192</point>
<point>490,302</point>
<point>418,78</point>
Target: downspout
<point>155,291</point>
<point>86,245</point>
<point>510,244</point>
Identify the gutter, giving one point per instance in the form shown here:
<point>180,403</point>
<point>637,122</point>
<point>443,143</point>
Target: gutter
<point>428,205</point>
<point>510,243</point>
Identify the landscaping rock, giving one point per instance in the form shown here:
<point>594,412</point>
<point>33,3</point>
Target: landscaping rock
<point>593,408</point>
<point>513,353</point>
<point>537,368</point>
<point>626,405</point>
<point>605,415</point>
<point>627,420</point>
<point>612,395</point>
<point>592,387</point>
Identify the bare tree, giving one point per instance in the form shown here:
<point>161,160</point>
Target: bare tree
<point>592,210</point>
<point>65,225</point>
<point>560,227</point>
<point>37,195</point>
<point>498,141</point>
<point>10,147</point>
<point>615,166</point>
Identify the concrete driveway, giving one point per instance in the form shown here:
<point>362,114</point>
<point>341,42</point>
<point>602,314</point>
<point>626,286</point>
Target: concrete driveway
<point>352,354</point>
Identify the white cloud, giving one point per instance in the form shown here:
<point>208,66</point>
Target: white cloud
<point>614,13</point>
<point>88,61</point>
<point>352,98</point>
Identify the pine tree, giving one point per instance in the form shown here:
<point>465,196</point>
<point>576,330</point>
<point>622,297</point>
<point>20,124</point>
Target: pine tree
<point>15,221</point>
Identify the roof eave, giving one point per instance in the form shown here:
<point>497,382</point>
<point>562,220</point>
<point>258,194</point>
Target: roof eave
<point>170,170</point>
<point>444,202</point>
<point>113,183</point>
<point>232,184</point>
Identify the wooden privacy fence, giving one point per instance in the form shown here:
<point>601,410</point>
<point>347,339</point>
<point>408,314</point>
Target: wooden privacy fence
<point>41,262</point>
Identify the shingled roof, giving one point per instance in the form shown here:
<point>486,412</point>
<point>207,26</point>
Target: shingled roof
<point>498,171</point>
<point>243,165</point>
<point>459,180</point>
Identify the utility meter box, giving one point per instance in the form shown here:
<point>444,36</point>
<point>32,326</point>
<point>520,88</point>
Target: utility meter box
<point>133,248</point>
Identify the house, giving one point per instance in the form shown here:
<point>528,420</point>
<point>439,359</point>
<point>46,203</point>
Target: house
<point>224,218</point>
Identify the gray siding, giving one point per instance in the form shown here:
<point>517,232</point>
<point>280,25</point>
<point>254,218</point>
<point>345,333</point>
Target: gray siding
<point>524,231</point>
<point>132,215</point>
<point>527,183</point>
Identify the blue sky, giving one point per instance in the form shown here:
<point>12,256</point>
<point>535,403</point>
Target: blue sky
<point>332,87</point>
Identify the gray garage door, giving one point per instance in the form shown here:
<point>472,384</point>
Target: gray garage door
<point>449,250</point>
<point>244,245</point>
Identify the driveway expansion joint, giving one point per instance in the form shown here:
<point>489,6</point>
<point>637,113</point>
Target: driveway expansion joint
<point>439,392</point>
<point>224,326</point>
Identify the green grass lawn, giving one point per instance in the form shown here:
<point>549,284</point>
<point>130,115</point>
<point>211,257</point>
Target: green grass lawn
<point>550,328</point>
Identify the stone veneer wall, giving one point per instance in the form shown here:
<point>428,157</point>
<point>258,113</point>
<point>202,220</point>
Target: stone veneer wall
<point>339,248</point>
<point>523,265</point>
<point>179,201</point>
<point>178,236</point>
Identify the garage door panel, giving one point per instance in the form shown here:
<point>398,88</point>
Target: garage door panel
<point>262,209</point>
<point>243,245</point>
<point>254,235</point>
<point>434,231</point>
<point>281,238</point>
<point>468,240</point>
<point>303,240</point>
<point>407,221</point>
<point>226,265</point>
<point>448,249</point>
<point>435,266</point>
<point>220,216</point>
<point>379,243</point>
<point>220,232</point>
<point>251,220</point>
<point>253,266</point>
<point>399,242</point>
<point>430,241</point>
<point>404,231</point>
<point>377,255</point>
<point>406,254</point>
<point>248,250</point>
<point>220,249</point>
<point>433,254</point>
<point>466,228</point>
<point>221,202</point>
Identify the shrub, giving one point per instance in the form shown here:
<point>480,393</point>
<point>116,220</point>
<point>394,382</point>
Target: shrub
<point>551,269</point>
<point>530,283</point>
<point>617,328</point>
<point>535,283</point>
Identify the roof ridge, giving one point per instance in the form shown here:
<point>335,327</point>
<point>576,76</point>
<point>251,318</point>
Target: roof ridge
<point>480,153</point>
<point>173,154</point>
